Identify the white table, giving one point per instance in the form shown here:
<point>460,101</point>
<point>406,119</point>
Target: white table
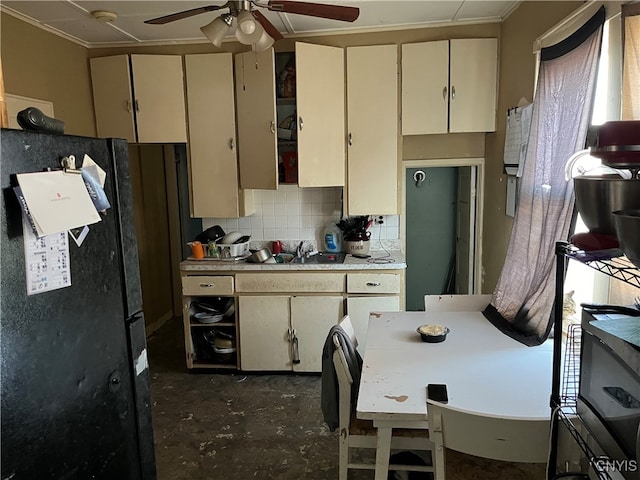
<point>486,372</point>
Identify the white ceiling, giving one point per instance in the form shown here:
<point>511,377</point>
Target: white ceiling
<point>73,20</point>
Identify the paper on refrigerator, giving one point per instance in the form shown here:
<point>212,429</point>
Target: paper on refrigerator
<point>57,201</point>
<point>46,260</point>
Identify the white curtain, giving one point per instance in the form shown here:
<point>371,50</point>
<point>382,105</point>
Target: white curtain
<point>523,299</point>
<point>631,62</point>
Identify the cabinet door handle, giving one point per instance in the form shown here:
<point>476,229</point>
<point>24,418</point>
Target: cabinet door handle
<point>231,144</point>
<point>301,123</point>
<point>137,106</point>
<point>373,284</point>
<point>444,93</point>
<point>273,127</point>
<point>128,106</point>
<point>207,285</point>
<point>453,92</point>
<point>293,340</point>
<point>350,140</point>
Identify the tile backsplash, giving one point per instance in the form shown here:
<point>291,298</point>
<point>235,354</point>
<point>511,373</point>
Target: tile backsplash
<point>295,214</point>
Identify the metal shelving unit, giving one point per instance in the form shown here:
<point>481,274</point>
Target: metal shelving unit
<point>564,390</point>
<point>571,369</point>
<point>610,262</point>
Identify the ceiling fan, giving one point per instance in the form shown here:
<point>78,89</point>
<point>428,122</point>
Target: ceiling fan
<point>251,26</point>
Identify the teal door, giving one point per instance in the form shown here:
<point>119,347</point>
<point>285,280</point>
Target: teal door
<point>430,233</point>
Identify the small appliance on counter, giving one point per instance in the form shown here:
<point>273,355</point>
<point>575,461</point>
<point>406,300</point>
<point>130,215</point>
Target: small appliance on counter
<point>611,186</point>
<point>617,143</point>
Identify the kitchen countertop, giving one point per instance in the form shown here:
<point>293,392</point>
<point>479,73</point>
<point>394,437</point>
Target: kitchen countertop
<point>379,260</point>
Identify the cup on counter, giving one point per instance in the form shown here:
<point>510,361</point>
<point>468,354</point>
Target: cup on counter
<point>197,250</point>
<point>276,247</point>
<point>212,250</point>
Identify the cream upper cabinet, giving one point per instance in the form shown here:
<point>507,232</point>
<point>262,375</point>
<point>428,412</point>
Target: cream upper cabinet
<point>320,103</point>
<point>473,78</point>
<point>113,97</point>
<point>256,111</point>
<point>449,86</point>
<point>425,87</point>
<point>372,126</point>
<point>213,161</point>
<point>319,111</point>
<point>140,98</point>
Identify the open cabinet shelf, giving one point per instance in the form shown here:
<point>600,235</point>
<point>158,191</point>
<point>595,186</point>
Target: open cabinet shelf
<point>207,343</point>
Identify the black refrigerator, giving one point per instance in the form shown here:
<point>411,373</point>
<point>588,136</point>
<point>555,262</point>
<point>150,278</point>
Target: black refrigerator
<point>74,373</point>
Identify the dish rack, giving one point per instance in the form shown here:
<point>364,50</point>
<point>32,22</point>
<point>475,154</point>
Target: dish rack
<point>233,250</point>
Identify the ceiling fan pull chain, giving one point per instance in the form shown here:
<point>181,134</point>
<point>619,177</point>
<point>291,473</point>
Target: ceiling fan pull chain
<point>244,86</point>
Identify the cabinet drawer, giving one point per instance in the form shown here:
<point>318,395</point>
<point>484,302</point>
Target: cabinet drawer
<point>290,283</point>
<point>207,285</point>
<point>373,283</point>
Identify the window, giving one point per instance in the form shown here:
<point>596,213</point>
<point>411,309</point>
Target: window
<point>617,98</point>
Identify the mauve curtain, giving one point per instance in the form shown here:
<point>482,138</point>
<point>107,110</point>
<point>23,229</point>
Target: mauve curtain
<point>522,302</point>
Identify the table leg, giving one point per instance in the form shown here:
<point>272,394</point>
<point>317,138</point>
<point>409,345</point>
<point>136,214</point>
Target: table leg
<point>383,450</point>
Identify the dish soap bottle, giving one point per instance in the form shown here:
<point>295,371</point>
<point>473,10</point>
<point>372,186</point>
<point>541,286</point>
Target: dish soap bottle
<point>332,239</point>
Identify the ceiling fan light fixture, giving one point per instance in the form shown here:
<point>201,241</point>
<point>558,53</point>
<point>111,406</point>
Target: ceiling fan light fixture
<point>249,30</point>
<point>263,43</point>
<point>218,29</point>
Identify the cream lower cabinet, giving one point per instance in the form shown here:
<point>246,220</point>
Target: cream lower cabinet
<point>285,319</point>
<point>371,292</point>
<point>372,126</point>
<point>213,159</point>
<point>280,321</point>
<point>199,338</point>
<point>282,333</point>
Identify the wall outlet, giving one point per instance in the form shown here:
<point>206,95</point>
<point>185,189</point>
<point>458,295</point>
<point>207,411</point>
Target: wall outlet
<point>379,220</point>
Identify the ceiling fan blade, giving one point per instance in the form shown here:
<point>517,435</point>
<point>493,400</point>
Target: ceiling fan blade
<point>267,25</point>
<point>186,14</point>
<point>334,12</point>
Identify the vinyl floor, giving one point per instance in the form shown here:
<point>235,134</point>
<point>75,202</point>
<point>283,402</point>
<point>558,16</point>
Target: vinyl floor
<point>236,426</point>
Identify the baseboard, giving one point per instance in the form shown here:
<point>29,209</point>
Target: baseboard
<point>151,328</point>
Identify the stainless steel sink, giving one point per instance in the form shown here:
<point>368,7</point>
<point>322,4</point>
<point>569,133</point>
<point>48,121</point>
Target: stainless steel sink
<point>321,258</point>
